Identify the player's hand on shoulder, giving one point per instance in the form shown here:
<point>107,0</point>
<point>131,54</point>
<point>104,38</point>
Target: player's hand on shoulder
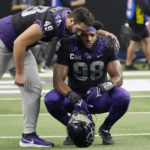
<point>113,37</point>
<point>111,44</point>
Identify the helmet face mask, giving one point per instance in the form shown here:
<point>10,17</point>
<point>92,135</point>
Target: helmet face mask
<point>81,130</point>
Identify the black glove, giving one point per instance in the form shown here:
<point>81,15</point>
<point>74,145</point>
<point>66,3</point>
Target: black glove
<point>106,86</point>
<point>73,97</point>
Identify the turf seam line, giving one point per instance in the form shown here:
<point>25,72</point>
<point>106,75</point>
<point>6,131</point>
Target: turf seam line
<point>130,134</point>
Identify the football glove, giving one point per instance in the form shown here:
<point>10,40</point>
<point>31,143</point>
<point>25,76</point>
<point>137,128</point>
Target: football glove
<point>93,93</point>
<point>81,106</point>
<point>106,86</point>
<point>73,97</point>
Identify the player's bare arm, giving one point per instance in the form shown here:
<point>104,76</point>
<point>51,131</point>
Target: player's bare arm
<point>27,38</point>
<point>20,7</point>
<point>60,74</point>
<point>114,70</point>
<point>77,2</point>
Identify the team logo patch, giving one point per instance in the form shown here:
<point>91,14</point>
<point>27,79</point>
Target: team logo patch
<point>58,46</point>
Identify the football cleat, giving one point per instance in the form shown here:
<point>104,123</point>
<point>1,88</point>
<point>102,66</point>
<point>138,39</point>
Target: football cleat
<point>34,141</point>
<point>45,70</point>
<point>106,136</point>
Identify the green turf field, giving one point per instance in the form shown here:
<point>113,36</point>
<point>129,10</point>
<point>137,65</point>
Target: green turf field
<point>131,132</point>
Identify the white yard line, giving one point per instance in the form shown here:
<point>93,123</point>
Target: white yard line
<point>125,73</point>
<point>10,82</point>
<point>18,92</point>
<point>8,87</point>
<point>136,73</point>
<point>7,75</point>
<point>18,99</point>
<point>63,136</point>
<point>47,114</point>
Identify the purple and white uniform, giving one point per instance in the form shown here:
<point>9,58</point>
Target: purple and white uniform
<point>87,68</point>
<point>52,23</point>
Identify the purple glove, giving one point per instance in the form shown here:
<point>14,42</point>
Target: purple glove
<point>93,93</point>
<point>81,106</point>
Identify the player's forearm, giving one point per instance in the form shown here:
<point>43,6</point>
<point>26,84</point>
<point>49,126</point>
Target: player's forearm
<point>117,76</point>
<point>19,7</point>
<point>16,7</point>
<point>66,91</point>
<point>18,54</point>
<point>114,70</point>
<point>102,32</point>
<point>62,87</point>
<point>78,2</point>
<point>118,80</point>
<point>59,77</point>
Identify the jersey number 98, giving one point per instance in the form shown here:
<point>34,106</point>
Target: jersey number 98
<point>83,71</point>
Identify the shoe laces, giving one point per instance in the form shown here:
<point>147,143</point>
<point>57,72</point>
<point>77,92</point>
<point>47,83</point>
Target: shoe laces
<point>34,135</point>
<point>105,133</point>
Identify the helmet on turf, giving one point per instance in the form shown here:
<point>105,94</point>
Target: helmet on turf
<point>81,130</point>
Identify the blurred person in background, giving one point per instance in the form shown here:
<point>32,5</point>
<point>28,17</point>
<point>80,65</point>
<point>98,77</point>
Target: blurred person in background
<point>68,3</point>
<point>19,5</point>
<point>137,13</point>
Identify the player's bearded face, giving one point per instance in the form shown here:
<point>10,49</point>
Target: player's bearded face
<point>88,39</point>
<point>77,28</point>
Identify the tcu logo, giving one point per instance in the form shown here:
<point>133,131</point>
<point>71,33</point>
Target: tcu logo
<point>48,26</point>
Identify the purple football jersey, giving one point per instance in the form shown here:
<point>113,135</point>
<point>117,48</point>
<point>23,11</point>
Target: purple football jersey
<point>7,34</point>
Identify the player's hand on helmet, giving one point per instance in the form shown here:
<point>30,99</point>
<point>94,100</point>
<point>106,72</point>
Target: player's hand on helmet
<point>93,93</point>
<point>81,106</point>
<point>20,80</point>
<point>79,103</point>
